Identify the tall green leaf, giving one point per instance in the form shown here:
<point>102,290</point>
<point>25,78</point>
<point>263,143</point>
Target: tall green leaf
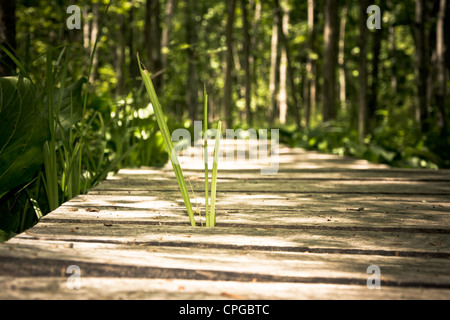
<point>70,105</point>
<point>23,131</point>
<point>162,124</point>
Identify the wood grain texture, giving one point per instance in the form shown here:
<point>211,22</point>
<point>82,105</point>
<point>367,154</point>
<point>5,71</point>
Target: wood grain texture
<point>308,232</point>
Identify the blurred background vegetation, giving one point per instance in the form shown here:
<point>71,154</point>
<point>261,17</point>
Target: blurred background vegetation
<point>69,114</point>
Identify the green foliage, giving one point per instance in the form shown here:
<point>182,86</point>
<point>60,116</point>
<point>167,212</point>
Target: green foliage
<point>167,141</point>
<point>212,217</point>
<point>51,151</point>
<point>91,130</point>
<point>391,144</point>
<point>23,130</point>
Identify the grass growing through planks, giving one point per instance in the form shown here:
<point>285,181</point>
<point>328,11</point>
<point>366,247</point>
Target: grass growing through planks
<point>167,140</point>
<point>210,213</point>
<point>162,124</point>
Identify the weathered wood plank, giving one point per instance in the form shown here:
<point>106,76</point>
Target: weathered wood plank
<point>263,187</point>
<point>287,158</point>
<point>278,209</point>
<point>285,186</point>
<point>255,238</point>
<point>297,174</point>
<point>221,264</point>
<point>310,231</point>
<point>93,288</point>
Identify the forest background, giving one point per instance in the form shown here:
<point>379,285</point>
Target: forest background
<point>314,69</point>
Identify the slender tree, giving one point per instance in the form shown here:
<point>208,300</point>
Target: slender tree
<point>255,42</point>
<point>283,95</point>
<point>133,68</point>
<point>7,35</point>
<point>341,59</point>
<point>165,36</point>
<point>227,94</point>
<point>422,57</point>
<point>120,54</point>
<point>246,60</point>
<point>285,41</point>
<point>93,33</point>
<point>274,67</point>
<point>363,86</point>
<point>377,37</point>
<point>440,68</point>
<point>331,29</point>
<point>447,37</point>
<point>191,38</point>
<point>152,34</point>
<point>311,65</point>
<point>392,52</point>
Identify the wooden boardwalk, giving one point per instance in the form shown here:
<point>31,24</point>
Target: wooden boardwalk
<point>309,232</point>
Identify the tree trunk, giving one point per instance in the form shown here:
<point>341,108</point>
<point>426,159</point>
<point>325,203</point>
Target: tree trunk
<point>256,4</point>
<point>283,66</point>
<point>248,77</point>
<point>311,66</point>
<point>341,60</point>
<point>273,68</point>
<point>440,68</point>
<point>7,36</point>
<point>362,105</point>
<point>393,57</point>
<point>285,42</point>
<point>330,59</point>
<point>165,35</point>
<point>133,67</point>
<point>377,36</point>
<point>93,37</point>
<point>169,11</point>
<point>152,32</point>
<point>447,37</point>
<point>227,95</point>
<point>120,55</point>
<point>422,57</point>
<point>191,39</point>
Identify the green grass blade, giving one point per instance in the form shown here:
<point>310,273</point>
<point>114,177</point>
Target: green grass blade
<point>51,176</point>
<point>17,62</point>
<point>212,221</point>
<point>146,77</point>
<point>205,128</point>
<point>50,160</point>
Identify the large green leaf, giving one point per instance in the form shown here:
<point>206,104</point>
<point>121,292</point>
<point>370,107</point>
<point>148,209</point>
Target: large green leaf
<point>70,106</point>
<point>23,130</point>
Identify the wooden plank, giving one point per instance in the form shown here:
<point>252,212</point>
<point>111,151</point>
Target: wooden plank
<point>264,186</point>
<point>278,209</point>
<point>94,288</point>
<point>349,181</point>
<point>310,231</point>
<point>296,174</point>
<point>220,272</point>
<point>239,263</point>
<point>288,158</point>
<point>259,238</point>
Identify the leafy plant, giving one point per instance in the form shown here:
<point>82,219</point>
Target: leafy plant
<point>167,141</point>
<point>23,131</point>
<point>210,213</point>
<point>388,144</point>
<point>160,117</point>
<point>205,154</point>
<point>212,217</point>
<point>55,142</point>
